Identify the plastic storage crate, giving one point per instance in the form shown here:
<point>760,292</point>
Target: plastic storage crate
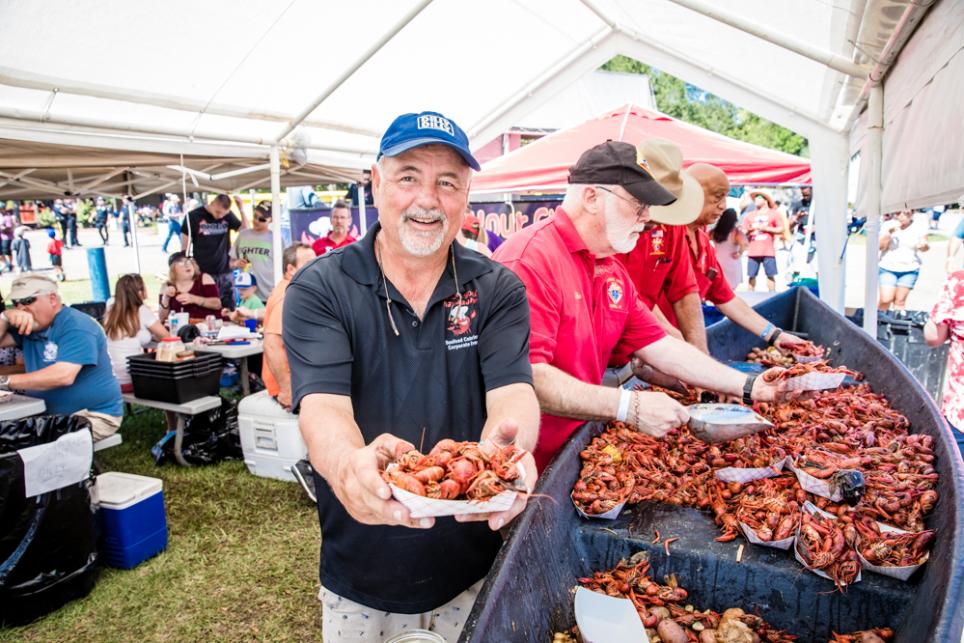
<point>176,382</point>
<point>132,519</point>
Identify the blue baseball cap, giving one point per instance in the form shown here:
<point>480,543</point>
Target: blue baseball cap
<point>409,131</point>
<point>245,280</point>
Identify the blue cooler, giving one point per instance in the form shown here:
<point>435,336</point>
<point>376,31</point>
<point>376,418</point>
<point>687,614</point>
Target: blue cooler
<point>132,521</point>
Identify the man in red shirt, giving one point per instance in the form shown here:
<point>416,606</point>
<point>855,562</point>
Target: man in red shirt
<point>660,264</point>
<point>713,286</point>
<point>585,311</point>
<point>761,227</point>
<point>340,234</point>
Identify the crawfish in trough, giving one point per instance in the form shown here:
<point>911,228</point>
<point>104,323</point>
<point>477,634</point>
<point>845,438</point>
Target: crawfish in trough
<point>822,544</point>
<point>769,507</point>
<point>455,470</point>
<point>823,463</point>
<point>891,549</point>
<point>655,602</point>
<point>875,635</point>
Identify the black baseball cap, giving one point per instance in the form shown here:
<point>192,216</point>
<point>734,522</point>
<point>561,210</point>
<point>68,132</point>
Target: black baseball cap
<point>617,163</point>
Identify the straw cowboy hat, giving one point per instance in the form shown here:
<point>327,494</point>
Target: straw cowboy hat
<point>765,195</point>
<point>664,160</point>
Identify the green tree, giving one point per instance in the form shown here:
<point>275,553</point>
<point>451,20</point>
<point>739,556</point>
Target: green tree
<point>691,104</point>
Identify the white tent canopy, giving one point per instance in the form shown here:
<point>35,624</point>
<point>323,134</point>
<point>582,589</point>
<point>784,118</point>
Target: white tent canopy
<point>330,76</point>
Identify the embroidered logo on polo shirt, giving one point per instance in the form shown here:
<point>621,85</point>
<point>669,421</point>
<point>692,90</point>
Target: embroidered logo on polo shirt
<point>50,352</point>
<point>461,315</point>
<point>614,290</point>
<point>657,242</point>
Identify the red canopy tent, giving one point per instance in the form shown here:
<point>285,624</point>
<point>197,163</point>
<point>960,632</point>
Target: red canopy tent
<point>543,166</point>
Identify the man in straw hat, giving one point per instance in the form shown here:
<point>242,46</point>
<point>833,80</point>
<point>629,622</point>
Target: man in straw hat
<point>584,308</point>
<point>762,226</point>
<point>710,279</point>
<point>660,264</point>
<point>65,352</point>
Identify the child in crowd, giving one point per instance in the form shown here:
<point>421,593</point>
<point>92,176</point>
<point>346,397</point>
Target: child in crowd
<point>21,250</point>
<point>56,251</point>
<point>250,306</point>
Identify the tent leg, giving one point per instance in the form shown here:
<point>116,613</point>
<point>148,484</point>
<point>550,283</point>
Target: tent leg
<point>362,214</point>
<point>830,164</point>
<point>132,223</point>
<point>872,156</point>
<point>276,242</point>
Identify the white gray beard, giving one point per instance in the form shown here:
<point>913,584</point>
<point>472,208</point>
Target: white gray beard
<point>620,236</point>
<point>421,244</point>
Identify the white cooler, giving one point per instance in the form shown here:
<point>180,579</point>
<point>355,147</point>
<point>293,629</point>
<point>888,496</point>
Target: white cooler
<point>270,438</point>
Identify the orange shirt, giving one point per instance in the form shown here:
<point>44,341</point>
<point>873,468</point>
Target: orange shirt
<point>272,325</point>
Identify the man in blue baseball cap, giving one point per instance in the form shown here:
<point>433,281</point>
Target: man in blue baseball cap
<point>406,338</point>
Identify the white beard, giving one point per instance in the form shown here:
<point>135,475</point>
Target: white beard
<point>422,244</point>
<point>622,236</point>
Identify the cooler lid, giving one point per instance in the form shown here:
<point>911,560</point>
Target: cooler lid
<point>119,490</point>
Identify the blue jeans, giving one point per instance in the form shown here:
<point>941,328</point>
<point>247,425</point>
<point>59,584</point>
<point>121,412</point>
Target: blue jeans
<point>958,437</point>
<point>173,230</point>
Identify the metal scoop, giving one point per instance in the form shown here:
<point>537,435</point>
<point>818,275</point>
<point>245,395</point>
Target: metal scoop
<point>724,422</point>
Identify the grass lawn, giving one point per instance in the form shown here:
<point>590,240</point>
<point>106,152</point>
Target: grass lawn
<point>241,562</point>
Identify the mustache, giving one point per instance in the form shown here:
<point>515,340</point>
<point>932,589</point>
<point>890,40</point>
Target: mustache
<point>421,213</point>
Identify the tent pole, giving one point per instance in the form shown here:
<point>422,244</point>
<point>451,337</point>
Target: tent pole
<point>132,222</point>
<point>767,33</point>
<point>362,215</point>
<point>830,164</point>
<point>347,73</point>
<point>276,242</point>
<point>874,153</point>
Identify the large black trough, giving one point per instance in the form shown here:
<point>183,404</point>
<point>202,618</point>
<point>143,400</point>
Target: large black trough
<point>527,595</point>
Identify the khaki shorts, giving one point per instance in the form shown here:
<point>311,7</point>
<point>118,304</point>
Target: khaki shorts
<point>101,425</point>
<point>343,620</point>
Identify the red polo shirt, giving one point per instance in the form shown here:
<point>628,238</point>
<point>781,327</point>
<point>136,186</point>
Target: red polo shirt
<point>584,311</point>
<point>660,264</point>
<point>710,279</point>
<point>324,244</point>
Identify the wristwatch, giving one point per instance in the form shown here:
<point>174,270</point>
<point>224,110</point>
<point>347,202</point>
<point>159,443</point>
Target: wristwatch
<point>5,382</point>
<point>773,337</point>
<point>748,389</point>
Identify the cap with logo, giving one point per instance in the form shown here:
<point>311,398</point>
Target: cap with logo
<point>616,163</point>
<point>471,223</point>
<point>31,286</point>
<point>665,161</point>
<point>409,131</point>
<point>245,280</point>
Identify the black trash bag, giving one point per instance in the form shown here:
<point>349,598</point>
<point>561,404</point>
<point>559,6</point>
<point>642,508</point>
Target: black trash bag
<point>209,437</point>
<point>48,543</point>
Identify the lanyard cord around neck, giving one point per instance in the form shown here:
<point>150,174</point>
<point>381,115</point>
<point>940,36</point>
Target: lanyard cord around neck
<point>388,298</point>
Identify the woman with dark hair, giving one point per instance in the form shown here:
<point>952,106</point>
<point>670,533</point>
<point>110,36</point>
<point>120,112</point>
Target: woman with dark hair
<point>130,326</point>
<point>730,244</point>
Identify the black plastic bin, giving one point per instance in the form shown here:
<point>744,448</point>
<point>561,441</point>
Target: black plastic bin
<point>48,543</point>
<point>175,382</point>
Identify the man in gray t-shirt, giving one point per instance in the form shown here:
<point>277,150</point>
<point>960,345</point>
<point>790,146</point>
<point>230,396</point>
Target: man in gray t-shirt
<point>252,251</point>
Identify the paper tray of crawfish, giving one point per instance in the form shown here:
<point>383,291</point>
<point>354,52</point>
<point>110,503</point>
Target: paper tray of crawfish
<point>826,549</point>
<point>456,478</point>
<point>889,546</point>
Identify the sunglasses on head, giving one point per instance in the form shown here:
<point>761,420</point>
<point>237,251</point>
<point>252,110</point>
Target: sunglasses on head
<point>25,301</point>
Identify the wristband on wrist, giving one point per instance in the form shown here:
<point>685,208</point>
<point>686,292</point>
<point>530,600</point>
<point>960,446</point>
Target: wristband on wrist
<point>773,337</point>
<point>748,389</point>
<point>625,397</point>
<point>766,331</point>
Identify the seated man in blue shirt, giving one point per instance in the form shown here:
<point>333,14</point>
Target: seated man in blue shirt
<point>65,353</point>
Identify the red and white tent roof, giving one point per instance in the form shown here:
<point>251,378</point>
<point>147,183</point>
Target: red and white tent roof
<point>543,166</point>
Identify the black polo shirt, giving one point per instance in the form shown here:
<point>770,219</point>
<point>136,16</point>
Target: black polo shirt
<point>432,377</point>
